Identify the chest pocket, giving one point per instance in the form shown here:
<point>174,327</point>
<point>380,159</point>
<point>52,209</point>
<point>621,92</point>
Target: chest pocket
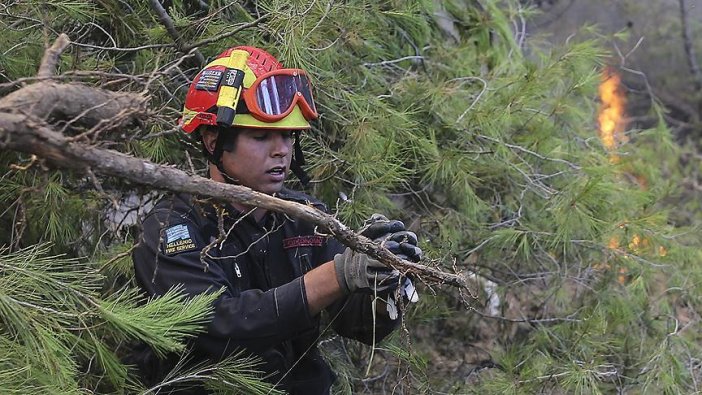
<point>301,259</point>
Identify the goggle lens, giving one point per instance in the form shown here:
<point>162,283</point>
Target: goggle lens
<point>277,93</point>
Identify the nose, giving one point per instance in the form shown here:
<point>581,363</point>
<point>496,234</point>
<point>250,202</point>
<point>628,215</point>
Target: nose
<point>281,145</point>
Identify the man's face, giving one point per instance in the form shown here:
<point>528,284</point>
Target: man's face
<point>260,160</point>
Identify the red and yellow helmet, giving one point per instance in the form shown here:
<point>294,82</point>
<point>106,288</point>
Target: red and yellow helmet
<point>273,97</point>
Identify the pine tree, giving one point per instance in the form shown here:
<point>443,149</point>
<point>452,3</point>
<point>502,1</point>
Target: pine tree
<point>437,113</point>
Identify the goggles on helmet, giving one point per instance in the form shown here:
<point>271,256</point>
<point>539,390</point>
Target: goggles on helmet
<point>274,94</point>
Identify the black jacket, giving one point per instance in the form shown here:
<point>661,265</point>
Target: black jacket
<point>263,308</point>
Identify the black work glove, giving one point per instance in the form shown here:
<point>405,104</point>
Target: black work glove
<point>393,235</point>
<point>397,239</point>
<point>356,271</point>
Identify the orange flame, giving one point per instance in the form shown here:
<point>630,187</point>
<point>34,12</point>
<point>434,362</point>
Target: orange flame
<point>611,114</point>
<point>611,130</point>
<point>612,124</point>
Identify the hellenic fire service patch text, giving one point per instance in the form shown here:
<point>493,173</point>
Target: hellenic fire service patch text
<point>177,239</point>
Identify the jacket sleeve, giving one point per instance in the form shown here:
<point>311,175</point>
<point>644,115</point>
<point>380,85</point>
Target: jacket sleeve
<point>253,318</point>
<point>352,316</point>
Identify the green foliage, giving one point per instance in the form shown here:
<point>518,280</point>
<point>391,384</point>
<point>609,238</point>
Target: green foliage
<point>53,321</point>
<point>433,112</point>
<point>164,323</point>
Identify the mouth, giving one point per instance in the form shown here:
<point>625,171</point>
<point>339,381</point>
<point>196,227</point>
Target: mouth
<point>277,171</point>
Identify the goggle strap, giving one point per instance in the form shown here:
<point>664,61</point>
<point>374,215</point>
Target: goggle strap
<point>300,173</point>
<point>299,157</point>
<point>218,150</point>
<point>242,108</point>
<point>297,161</point>
<point>224,142</point>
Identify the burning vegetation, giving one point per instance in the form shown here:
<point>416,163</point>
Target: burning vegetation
<point>611,116</point>
<point>612,125</point>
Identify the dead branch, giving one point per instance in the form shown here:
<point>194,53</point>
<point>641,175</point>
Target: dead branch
<point>23,128</point>
<point>25,133</point>
<point>71,101</point>
<point>51,56</point>
<point>67,101</point>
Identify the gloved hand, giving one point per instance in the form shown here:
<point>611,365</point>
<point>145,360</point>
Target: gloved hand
<point>404,245</point>
<point>379,226</point>
<point>397,239</point>
<point>356,271</point>
<point>392,235</point>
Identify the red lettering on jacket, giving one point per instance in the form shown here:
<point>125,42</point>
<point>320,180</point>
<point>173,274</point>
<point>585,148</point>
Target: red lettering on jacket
<point>303,241</point>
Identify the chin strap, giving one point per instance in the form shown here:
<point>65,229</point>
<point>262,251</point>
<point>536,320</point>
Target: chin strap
<point>298,161</point>
<point>216,158</point>
<point>224,174</point>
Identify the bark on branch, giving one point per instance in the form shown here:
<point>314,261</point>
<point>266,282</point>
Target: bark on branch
<point>170,28</point>
<point>68,101</point>
<point>51,56</point>
<point>89,106</point>
<point>28,133</point>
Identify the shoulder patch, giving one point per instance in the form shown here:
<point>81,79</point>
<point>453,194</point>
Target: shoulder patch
<point>177,239</point>
<point>303,241</point>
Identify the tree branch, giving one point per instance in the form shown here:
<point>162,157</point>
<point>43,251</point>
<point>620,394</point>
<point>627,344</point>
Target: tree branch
<point>691,61</point>
<point>26,133</point>
<point>170,28</point>
<point>51,56</point>
<point>231,32</point>
<point>48,99</point>
<point>23,133</point>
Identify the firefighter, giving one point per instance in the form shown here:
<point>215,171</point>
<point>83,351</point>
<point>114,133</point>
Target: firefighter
<point>276,273</point>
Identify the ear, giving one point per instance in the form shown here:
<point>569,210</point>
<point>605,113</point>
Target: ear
<point>209,139</point>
